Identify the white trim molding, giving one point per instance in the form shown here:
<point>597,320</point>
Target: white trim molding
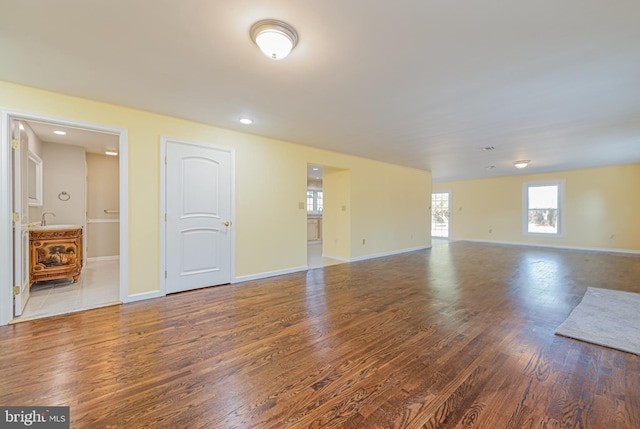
<point>392,253</point>
<point>560,183</point>
<point>143,296</point>
<point>103,220</point>
<point>376,255</point>
<point>6,188</point>
<point>555,246</point>
<point>441,191</point>
<point>337,258</point>
<point>269,274</point>
<point>104,258</point>
<point>123,156</point>
<point>6,236</point>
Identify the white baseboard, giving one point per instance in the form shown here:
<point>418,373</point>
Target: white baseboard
<point>324,255</point>
<point>142,296</point>
<point>157,294</point>
<point>383,254</point>
<point>104,258</point>
<point>554,246</point>
<point>375,255</point>
<point>339,258</point>
<point>269,274</point>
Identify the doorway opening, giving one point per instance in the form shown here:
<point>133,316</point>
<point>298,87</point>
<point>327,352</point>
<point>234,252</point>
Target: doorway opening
<point>66,179</point>
<point>441,214</point>
<point>316,257</point>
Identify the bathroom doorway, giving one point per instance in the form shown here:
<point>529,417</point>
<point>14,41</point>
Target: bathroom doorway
<point>81,182</point>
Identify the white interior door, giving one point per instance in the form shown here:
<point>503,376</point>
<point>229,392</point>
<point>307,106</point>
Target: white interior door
<point>198,216</point>
<point>21,216</point>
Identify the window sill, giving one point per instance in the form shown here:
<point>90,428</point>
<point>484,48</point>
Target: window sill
<point>543,234</point>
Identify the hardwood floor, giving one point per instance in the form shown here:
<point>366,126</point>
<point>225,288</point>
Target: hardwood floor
<point>459,336</point>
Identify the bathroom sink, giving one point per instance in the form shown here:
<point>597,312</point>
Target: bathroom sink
<point>56,227</point>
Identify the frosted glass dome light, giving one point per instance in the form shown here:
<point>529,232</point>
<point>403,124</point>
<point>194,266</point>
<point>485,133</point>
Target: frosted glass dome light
<point>275,38</point>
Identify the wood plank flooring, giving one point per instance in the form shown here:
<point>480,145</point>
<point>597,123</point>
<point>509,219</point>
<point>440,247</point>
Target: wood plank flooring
<point>459,336</point>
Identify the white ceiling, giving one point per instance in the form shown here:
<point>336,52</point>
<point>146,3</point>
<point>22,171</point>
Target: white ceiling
<point>424,84</point>
<point>93,141</point>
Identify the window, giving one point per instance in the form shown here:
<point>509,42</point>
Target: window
<point>314,201</point>
<point>440,214</point>
<point>543,211</point>
<point>310,201</point>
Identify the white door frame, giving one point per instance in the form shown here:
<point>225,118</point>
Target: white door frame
<point>163,204</point>
<point>443,191</point>
<point>6,186</point>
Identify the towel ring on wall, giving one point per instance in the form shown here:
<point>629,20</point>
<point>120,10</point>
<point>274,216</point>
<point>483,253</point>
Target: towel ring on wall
<point>63,196</point>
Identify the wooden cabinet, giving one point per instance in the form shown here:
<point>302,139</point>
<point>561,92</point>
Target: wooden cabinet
<point>314,229</point>
<point>55,253</point>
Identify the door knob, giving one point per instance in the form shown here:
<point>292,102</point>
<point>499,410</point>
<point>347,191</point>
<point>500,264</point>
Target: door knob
<point>227,223</point>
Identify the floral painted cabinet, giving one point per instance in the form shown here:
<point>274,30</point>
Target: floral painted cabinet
<point>55,253</point>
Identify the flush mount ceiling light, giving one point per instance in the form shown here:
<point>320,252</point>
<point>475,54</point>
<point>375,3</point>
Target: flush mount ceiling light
<point>521,163</point>
<point>60,133</point>
<point>275,38</point>
<point>246,121</point>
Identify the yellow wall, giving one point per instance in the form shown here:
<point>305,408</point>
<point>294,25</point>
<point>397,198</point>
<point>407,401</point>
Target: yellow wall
<point>336,213</point>
<point>389,208</point>
<point>270,184</point>
<point>599,202</point>
<point>103,193</point>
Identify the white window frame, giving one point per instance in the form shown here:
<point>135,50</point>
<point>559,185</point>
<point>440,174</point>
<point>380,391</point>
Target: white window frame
<point>315,210</point>
<point>448,192</point>
<point>560,183</point>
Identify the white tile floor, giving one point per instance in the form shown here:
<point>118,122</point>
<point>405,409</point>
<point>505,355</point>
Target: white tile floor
<point>314,256</point>
<point>98,285</point>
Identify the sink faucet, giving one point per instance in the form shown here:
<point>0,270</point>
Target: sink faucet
<point>43,221</point>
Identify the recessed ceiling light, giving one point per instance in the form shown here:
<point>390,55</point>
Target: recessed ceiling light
<point>522,163</point>
<point>246,121</point>
<point>21,127</point>
<point>60,133</point>
<point>111,152</point>
<point>487,148</point>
